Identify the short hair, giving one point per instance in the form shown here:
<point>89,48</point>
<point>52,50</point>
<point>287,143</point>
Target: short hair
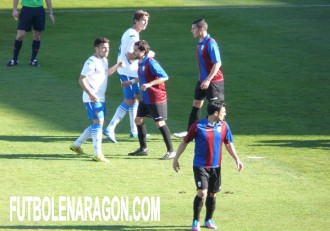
<point>200,23</point>
<point>214,106</point>
<point>143,46</point>
<point>139,14</point>
<point>101,40</point>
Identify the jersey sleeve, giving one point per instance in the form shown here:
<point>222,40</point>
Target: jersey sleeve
<point>156,69</point>
<point>228,135</point>
<point>191,133</point>
<point>130,43</point>
<point>88,68</point>
<point>214,51</point>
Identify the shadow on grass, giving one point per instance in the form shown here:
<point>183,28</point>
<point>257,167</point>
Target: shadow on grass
<point>37,138</point>
<point>95,227</point>
<point>314,144</point>
<point>42,156</point>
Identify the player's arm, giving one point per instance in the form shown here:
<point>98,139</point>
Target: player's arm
<point>215,68</point>
<point>153,82</point>
<point>50,10</point>
<point>130,82</point>
<point>232,151</point>
<point>112,69</point>
<point>85,86</point>
<point>180,150</point>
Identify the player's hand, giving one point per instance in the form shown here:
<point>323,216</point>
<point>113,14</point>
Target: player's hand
<point>145,86</point>
<point>52,18</point>
<point>15,15</point>
<point>205,84</point>
<point>93,98</point>
<point>240,166</point>
<point>151,54</point>
<point>176,165</point>
<point>126,83</point>
<point>121,64</point>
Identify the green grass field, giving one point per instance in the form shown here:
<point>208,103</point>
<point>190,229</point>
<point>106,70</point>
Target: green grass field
<point>276,57</point>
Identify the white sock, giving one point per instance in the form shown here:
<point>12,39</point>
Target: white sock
<point>87,134</point>
<point>118,116</point>
<point>132,114</point>
<point>97,138</point>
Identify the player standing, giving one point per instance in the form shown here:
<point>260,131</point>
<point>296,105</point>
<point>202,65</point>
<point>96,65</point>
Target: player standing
<point>93,80</point>
<point>126,73</point>
<point>209,135</point>
<point>210,84</point>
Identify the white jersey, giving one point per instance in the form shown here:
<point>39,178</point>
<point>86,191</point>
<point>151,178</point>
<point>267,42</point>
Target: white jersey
<point>128,39</point>
<point>96,71</point>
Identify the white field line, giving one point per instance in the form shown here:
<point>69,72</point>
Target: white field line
<point>184,8</point>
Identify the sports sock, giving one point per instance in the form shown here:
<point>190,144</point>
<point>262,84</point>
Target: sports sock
<point>35,49</point>
<point>167,137</point>
<point>195,114</point>
<point>117,117</point>
<point>132,114</point>
<point>142,134</point>
<point>17,48</point>
<point>198,205</point>
<point>87,134</point>
<point>97,138</point>
<point>210,207</point>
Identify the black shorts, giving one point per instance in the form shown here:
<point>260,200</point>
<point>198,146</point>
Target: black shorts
<point>32,17</point>
<point>156,111</point>
<point>215,91</point>
<point>208,178</point>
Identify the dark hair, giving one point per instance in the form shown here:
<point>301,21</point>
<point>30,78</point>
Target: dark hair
<point>200,23</point>
<point>139,14</point>
<point>143,46</point>
<point>214,106</point>
<point>100,40</point>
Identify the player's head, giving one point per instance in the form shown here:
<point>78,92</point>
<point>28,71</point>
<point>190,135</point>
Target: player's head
<point>217,109</point>
<point>199,28</point>
<point>141,49</point>
<point>101,46</point>
<point>200,23</point>
<point>140,20</point>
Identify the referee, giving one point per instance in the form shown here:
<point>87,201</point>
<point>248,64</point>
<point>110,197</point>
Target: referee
<point>32,16</point>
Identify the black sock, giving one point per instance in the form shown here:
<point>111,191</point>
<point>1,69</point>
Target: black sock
<point>35,49</point>
<point>17,48</point>
<point>167,137</point>
<point>142,134</point>
<point>195,114</point>
<point>198,205</point>
<point>210,207</point>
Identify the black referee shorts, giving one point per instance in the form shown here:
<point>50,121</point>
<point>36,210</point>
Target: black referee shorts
<point>32,17</point>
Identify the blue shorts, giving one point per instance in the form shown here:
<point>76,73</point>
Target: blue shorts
<point>95,111</point>
<point>132,90</point>
<point>32,17</point>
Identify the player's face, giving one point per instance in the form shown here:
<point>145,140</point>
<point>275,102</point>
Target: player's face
<point>142,23</point>
<point>222,114</point>
<point>196,32</point>
<point>102,50</point>
<point>137,53</point>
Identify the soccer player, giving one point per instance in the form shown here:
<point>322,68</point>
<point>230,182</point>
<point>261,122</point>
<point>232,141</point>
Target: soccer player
<point>210,84</point>
<point>127,73</point>
<point>32,15</point>
<point>93,80</point>
<point>209,134</point>
<point>153,104</point>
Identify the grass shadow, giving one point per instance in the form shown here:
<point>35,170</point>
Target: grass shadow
<point>313,144</point>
